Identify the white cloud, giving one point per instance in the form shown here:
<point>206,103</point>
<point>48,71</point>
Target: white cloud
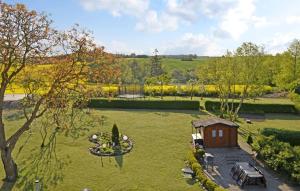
<point>191,43</point>
<point>280,42</point>
<point>117,7</point>
<point>239,18</point>
<point>120,47</point>
<point>153,22</point>
<point>293,19</point>
<point>185,10</point>
<point>234,16</point>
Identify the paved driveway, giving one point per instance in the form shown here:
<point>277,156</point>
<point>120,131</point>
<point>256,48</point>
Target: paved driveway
<point>225,158</point>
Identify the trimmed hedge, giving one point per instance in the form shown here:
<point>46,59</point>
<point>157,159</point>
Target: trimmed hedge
<point>255,107</point>
<point>144,104</point>
<point>203,179</point>
<point>288,136</point>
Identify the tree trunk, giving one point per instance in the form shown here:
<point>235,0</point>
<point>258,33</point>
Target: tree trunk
<point>10,167</point>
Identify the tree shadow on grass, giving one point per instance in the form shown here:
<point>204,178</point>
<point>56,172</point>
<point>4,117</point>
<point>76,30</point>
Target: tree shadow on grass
<point>42,164</point>
<point>118,157</point>
<point>119,160</point>
<point>14,115</point>
<point>191,181</point>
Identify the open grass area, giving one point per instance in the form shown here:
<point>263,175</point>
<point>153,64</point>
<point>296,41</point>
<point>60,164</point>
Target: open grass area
<point>278,121</point>
<point>170,64</point>
<point>203,99</point>
<point>161,142</point>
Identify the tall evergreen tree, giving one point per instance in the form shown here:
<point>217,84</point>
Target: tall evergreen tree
<point>115,135</point>
<point>156,68</point>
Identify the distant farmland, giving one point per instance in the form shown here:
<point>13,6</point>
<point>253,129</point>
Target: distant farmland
<point>170,64</point>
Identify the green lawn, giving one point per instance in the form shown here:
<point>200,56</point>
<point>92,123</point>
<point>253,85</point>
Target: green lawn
<point>161,141</point>
<point>279,121</point>
<point>203,99</point>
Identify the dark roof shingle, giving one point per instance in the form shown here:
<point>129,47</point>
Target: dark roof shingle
<point>212,121</point>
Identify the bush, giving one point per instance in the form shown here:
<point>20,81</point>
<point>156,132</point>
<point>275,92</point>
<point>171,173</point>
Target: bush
<point>210,185</point>
<point>144,104</point>
<point>115,135</point>
<point>279,156</point>
<point>292,137</point>
<point>191,158</point>
<point>249,139</point>
<point>199,153</point>
<point>197,168</point>
<point>219,189</point>
<point>254,107</point>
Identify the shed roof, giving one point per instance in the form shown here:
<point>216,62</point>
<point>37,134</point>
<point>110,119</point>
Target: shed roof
<point>212,121</point>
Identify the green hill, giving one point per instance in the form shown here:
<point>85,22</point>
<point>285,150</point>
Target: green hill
<point>170,64</point>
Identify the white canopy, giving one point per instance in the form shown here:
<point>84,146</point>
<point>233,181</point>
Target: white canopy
<point>197,136</point>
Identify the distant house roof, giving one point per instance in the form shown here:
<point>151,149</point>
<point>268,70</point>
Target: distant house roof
<point>212,121</point>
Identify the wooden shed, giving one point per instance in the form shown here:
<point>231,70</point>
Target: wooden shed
<point>217,132</point>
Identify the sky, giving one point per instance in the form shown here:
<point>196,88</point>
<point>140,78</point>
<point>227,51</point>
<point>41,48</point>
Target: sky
<point>202,27</point>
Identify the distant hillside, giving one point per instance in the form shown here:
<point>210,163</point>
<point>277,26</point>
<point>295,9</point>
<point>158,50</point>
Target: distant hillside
<point>170,64</point>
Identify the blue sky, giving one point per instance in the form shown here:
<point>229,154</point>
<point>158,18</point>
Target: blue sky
<point>203,27</point>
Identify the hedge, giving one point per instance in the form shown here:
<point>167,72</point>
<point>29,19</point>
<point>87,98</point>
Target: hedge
<point>254,107</point>
<point>203,179</point>
<point>288,136</point>
<point>279,156</point>
<point>144,104</point>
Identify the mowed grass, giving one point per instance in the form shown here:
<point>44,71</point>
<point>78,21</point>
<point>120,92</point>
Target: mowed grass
<point>278,121</point>
<point>161,142</point>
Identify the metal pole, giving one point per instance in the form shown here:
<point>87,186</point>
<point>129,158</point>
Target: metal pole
<point>37,185</point>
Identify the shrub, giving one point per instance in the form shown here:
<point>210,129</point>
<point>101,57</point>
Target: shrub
<point>197,168</point>
<point>249,139</point>
<point>254,107</point>
<point>115,135</point>
<point>210,185</point>
<point>219,189</point>
<point>144,104</point>
<point>279,156</point>
<point>199,153</point>
<point>191,158</point>
<point>292,137</point>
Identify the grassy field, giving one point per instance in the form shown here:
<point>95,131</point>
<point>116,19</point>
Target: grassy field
<point>203,99</point>
<point>161,141</point>
<point>170,64</point>
<point>279,121</point>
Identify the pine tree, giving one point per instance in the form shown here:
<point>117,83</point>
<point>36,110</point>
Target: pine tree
<point>115,135</point>
<point>156,68</point>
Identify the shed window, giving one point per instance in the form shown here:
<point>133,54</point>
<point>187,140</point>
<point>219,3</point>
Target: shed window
<point>214,133</point>
<point>220,133</point>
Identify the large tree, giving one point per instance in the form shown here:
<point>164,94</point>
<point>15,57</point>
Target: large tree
<point>235,77</point>
<point>294,50</point>
<point>287,76</point>
<point>27,40</point>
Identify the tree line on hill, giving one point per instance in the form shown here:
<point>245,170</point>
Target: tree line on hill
<point>248,66</point>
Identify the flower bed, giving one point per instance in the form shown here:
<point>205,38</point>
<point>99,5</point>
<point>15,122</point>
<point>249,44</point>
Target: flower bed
<point>105,147</point>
